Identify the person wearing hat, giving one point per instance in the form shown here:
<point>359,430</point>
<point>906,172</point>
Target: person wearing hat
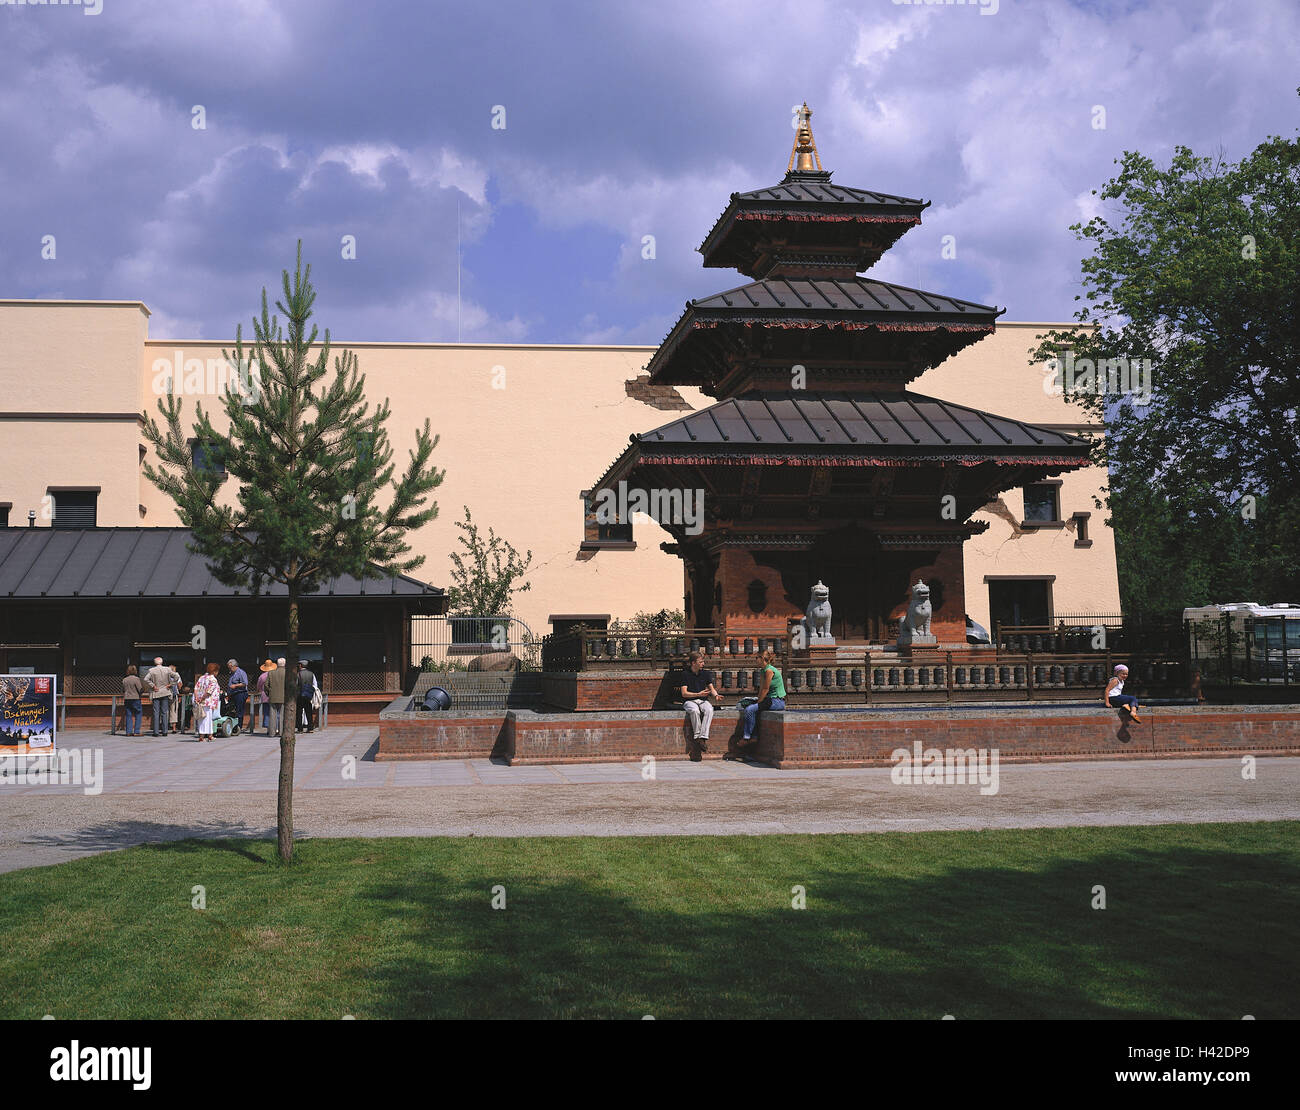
<point>306,687</point>
<point>261,701</point>
<point>275,695</point>
<point>1115,692</point>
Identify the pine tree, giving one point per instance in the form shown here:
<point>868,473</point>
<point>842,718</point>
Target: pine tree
<point>311,462</point>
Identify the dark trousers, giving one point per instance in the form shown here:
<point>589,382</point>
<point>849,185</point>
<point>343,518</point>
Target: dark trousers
<point>1124,699</point>
<point>237,702</point>
<point>305,712</point>
<point>162,716</point>
<point>134,716</point>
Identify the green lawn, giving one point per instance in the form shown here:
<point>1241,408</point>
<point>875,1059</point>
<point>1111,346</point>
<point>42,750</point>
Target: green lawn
<point>1201,921</point>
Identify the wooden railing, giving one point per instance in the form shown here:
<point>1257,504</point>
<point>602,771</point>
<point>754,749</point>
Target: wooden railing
<point>970,675</point>
<point>960,676</point>
<point>593,649</point>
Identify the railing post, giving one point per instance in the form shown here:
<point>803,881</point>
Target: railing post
<point>1029,676</point>
<point>1286,667</point>
<point>948,675</point>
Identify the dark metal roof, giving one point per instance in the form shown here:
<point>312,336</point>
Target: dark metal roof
<point>901,420</point>
<point>798,196</point>
<point>853,304</point>
<point>814,188</point>
<point>856,297</point>
<point>143,562</point>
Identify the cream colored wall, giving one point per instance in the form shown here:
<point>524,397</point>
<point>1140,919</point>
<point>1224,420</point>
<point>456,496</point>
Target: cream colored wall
<point>78,365</point>
<point>516,455</point>
<point>996,375</point>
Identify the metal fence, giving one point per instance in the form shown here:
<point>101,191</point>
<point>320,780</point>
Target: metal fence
<point>450,643</point>
<point>483,689</point>
<point>1095,634</point>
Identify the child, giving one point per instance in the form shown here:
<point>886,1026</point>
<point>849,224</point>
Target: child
<point>1116,690</point>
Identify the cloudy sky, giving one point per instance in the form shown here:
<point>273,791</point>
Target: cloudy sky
<point>327,118</point>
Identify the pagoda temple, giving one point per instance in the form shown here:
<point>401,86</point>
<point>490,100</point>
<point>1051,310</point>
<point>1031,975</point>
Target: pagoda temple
<point>817,462</point>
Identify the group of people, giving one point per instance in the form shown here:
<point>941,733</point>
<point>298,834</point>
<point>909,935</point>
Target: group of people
<point>207,703</point>
<point>699,694</point>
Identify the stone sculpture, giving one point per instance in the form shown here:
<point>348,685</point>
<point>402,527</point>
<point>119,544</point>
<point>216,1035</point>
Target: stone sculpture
<point>817,619</point>
<point>915,627</point>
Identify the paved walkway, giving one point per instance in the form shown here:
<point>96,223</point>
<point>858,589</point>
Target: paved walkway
<point>156,789</point>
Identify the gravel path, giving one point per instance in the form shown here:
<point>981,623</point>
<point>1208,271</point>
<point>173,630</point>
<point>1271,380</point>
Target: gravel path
<point>156,790</point>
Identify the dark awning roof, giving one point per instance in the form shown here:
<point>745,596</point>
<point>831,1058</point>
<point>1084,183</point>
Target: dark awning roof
<point>856,297</point>
<point>847,428</point>
<point>842,304</point>
<point>866,419</point>
<point>797,205</point>
<point>144,562</point>
<point>810,187</point>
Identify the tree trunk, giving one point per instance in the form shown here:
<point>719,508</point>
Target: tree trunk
<point>288,731</point>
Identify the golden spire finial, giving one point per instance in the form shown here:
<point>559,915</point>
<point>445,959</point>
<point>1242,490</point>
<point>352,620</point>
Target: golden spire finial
<point>804,150</point>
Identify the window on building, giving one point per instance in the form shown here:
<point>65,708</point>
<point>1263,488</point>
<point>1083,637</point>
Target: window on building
<point>207,456</point>
<point>4,515</point>
<point>597,533</point>
<point>1018,603</point>
<point>1043,503</point>
<point>1081,538</point>
<point>74,508</point>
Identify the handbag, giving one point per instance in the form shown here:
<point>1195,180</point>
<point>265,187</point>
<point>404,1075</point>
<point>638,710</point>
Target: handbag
<point>315,696</point>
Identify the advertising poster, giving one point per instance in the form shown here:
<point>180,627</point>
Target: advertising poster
<point>27,721</point>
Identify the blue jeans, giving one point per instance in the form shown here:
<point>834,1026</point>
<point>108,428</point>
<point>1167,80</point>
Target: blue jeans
<point>134,716</point>
<point>1124,699</point>
<point>237,702</point>
<point>750,713</point>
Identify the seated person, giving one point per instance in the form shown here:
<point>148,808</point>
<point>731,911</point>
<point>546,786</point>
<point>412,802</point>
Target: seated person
<point>1115,693</point>
<point>771,695</point>
<point>696,689</point>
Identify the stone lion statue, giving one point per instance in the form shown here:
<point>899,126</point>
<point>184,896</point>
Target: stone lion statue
<point>915,627</point>
<point>818,615</point>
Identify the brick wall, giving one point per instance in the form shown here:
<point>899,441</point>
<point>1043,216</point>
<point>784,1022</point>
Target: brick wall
<point>604,739</point>
<point>796,740</point>
<point>596,691</point>
<point>840,740</point>
<point>441,736</point>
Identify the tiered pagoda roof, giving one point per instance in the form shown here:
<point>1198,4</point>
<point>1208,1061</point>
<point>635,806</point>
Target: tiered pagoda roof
<point>903,331</point>
<point>845,429</point>
<point>810,319</point>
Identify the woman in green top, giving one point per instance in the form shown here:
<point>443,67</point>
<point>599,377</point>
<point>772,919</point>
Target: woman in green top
<point>771,695</point>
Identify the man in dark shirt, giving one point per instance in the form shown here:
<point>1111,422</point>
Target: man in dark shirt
<point>306,686</point>
<point>695,690</point>
<point>237,688</point>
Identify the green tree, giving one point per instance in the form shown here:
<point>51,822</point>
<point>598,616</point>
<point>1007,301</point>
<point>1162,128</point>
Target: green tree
<point>1198,272</point>
<point>483,576</point>
<point>311,462</point>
